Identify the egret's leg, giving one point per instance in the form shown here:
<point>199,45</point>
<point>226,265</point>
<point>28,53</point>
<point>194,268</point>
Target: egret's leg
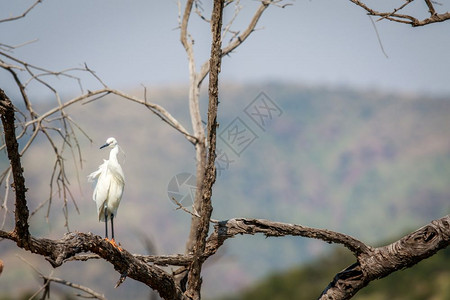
<point>106,222</point>
<point>112,226</point>
<point>112,241</point>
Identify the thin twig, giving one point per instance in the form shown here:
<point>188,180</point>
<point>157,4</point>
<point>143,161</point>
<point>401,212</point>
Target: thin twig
<point>180,206</point>
<point>23,14</point>
<point>378,37</point>
<point>49,278</point>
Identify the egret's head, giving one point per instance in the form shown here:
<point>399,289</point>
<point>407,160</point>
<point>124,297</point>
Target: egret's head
<point>110,142</point>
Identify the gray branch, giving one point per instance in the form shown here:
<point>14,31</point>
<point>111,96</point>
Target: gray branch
<point>371,263</point>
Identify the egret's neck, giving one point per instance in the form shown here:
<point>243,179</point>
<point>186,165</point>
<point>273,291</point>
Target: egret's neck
<point>113,153</point>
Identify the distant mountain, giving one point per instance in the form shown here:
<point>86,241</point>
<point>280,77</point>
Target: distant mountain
<point>365,163</point>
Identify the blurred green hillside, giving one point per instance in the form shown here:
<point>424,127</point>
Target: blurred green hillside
<point>365,163</point>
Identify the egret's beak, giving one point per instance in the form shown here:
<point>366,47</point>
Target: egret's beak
<point>105,145</point>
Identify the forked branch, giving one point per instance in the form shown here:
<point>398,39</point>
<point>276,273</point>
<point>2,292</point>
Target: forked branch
<point>236,42</point>
<point>395,16</point>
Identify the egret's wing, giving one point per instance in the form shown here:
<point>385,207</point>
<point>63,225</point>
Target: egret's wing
<point>93,177</point>
<point>102,185</point>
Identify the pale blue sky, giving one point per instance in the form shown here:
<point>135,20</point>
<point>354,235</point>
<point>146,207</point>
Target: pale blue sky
<point>318,42</point>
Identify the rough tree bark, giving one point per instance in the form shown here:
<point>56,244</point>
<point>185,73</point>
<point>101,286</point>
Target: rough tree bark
<point>395,15</point>
<point>209,176</point>
<point>21,231</point>
<point>371,263</point>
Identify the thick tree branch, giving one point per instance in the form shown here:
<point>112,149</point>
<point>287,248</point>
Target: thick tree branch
<point>166,260</point>
<point>382,261</point>
<point>59,251</point>
<point>194,279</point>
<point>160,260</point>
<point>372,263</point>
<point>230,228</point>
<point>196,80</point>
<point>21,212</point>
<point>197,126</point>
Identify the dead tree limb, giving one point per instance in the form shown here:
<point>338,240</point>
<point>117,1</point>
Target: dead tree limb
<point>239,39</point>
<point>196,120</point>
<point>371,263</point>
<point>395,16</point>
<point>230,228</point>
<point>382,261</point>
<point>56,252</point>
<point>12,147</point>
<point>209,177</point>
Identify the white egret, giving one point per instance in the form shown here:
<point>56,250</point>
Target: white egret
<point>109,184</point>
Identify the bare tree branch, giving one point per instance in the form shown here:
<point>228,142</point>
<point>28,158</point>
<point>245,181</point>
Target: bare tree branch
<point>194,110</point>
<point>92,293</point>
<point>382,261</point>
<point>21,211</point>
<point>230,228</point>
<point>194,280</point>
<point>431,9</point>
<point>158,110</point>
<point>166,260</point>
<point>49,278</point>
<point>160,260</point>
<point>193,213</point>
<point>58,251</point>
<point>193,90</point>
<point>241,38</point>
<point>372,263</point>
<point>403,18</point>
<point>5,197</point>
<point>23,14</point>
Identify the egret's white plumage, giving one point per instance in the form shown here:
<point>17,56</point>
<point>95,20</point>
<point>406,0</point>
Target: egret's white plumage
<point>109,183</point>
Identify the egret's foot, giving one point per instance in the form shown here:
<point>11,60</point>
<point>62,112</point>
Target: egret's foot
<point>113,242</point>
